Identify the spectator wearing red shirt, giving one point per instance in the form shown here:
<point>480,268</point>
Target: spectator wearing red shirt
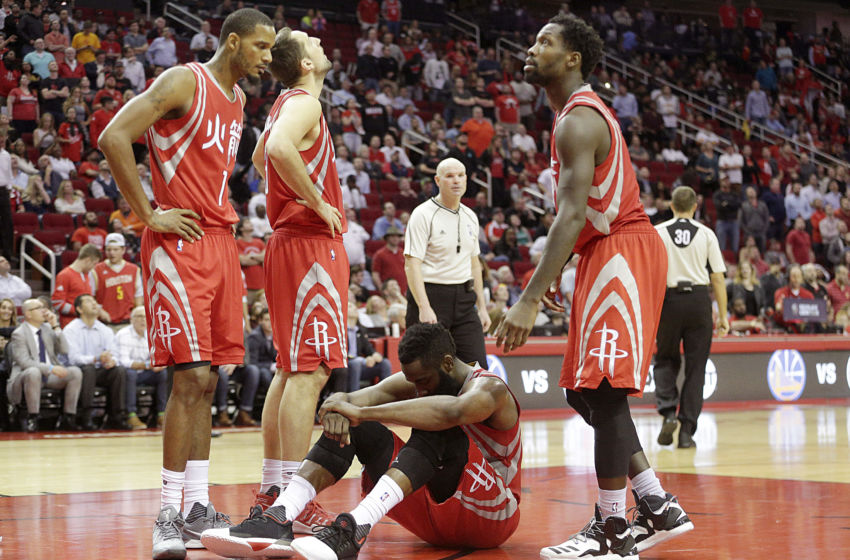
<point>367,13</point>
<point>109,90</point>
<point>22,106</point>
<point>74,280</point>
<point>787,161</point>
<point>815,219</point>
<point>388,261</point>
<point>479,131</point>
<point>798,244</point>
<point>794,289</point>
<point>70,136</point>
<point>111,46</point>
<point>101,118</point>
<point>375,153</point>
<point>496,227</point>
<point>9,77</point>
<point>71,69</point>
<point>89,233</point>
<point>252,253</point>
<point>728,23</point>
<point>90,168</point>
<point>839,289</point>
<point>507,108</point>
<point>740,322</point>
<point>391,14</point>
<point>752,17</point>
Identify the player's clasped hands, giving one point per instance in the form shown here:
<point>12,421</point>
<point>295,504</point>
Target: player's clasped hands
<point>515,326</point>
<point>336,415</point>
<point>177,220</point>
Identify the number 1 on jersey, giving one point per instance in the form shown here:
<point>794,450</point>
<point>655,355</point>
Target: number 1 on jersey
<point>223,186</point>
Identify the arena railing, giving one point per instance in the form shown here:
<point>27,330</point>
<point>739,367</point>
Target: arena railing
<point>832,84</point>
<point>465,26</point>
<point>182,16</point>
<point>26,258</point>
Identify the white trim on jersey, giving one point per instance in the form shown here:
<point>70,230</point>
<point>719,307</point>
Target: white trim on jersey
<point>168,167</point>
<point>617,268</point>
<point>176,295</point>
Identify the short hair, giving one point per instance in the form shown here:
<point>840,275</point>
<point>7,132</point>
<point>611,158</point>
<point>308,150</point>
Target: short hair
<point>137,309</point>
<point>242,23</point>
<point>79,301</point>
<point>89,251</point>
<point>683,199</point>
<point>580,36</point>
<point>426,342</point>
<point>287,53</point>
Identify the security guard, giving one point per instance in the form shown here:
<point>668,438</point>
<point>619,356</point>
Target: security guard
<point>442,267</point>
<point>694,259</point>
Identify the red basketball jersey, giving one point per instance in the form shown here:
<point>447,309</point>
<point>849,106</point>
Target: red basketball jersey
<point>614,199</point>
<point>502,449</point>
<point>116,290</point>
<point>283,210</point>
<point>192,156</point>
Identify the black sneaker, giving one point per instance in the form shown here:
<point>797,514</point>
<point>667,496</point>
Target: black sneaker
<point>686,440</point>
<point>269,535</point>
<point>665,437</point>
<point>658,519</point>
<point>341,540</point>
<point>610,539</point>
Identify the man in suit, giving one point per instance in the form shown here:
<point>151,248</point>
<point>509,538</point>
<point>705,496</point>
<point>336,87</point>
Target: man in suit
<point>363,360</point>
<point>35,346</point>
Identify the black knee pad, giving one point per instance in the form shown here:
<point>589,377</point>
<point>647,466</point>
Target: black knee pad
<point>373,444</point>
<point>425,451</point>
<point>614,431</point>
<point>328,454</point>
<point>577,403</point>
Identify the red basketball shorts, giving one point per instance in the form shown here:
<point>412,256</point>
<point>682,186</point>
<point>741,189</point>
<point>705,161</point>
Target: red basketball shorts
<point>482,513</point>
<point>193,298</point>
<point>620,285</point>
<point>307,292</point>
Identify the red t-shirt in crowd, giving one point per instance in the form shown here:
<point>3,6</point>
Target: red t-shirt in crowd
<point>838,295</point>
<point>25,106</point>
<point>72,150</point>
<point>728,16</point>
<point>99,120</point>
<point>391,10</point>
<point>8,80</point>
<point>253,273</point>
<point>507,109</point>
<point>368,11</point>
<point>801,245</point>
<point>96,236</point>
<point>390,265</point>
<point>77,73</point>
<point>752,18</point>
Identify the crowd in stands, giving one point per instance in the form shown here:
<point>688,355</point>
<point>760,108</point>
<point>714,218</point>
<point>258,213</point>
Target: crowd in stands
<point>401,96</point>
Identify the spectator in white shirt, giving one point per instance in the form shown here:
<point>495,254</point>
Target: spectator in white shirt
<point>523,140</point>
<point>199,40</point>
<point>667,105</point>
<point>260,221</point>
<point>672,154</point>
<point>389,148</point>
<point>134,70</point>
<point>133,354</point>
<point>731,163</point>
<point>437,77</point>
<point>355,240</point>
<point>405,121</point>
<point>11,286</point>
<point>370,46</point>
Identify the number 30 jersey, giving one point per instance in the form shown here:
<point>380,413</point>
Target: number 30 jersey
<point>193,156</point>
<point>692,251</point>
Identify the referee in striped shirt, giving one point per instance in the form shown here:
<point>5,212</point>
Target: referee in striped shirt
<point>694,261</point>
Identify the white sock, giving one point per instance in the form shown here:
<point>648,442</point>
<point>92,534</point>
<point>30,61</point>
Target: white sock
<point>272,471</point>
<point>384,496</point>
<point>647,484</point>
<point>197,485</point>
<point>612,503</point>
<point>287,471</point>
<point>172,488</point>
<point>295,498</point>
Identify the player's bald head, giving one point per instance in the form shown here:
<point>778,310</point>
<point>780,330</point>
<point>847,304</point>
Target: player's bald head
<point>450,165</point>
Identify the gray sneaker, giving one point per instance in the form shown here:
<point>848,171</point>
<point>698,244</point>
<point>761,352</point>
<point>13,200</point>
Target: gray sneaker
<point>200,519</point>
<point>167,541</point>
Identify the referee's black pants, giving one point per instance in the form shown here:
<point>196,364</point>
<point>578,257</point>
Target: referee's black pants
<point>454,305</point>
<point>685,318</point>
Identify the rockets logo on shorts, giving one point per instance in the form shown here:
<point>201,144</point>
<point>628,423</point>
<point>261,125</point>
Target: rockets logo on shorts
<point>607,350</point>
<point>481,476</point>
<point>164,329</point>
<point>321,341</point>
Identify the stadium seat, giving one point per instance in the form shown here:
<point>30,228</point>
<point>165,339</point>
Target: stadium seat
<point>370,213</point>
<point>56,240</point>
<point>25,222</point>
<point>100,205</point>
<point>521,267</point>
<point>388,186</point>
<point>68,257</point>
<point>58,222</point>
<point>524,252</point>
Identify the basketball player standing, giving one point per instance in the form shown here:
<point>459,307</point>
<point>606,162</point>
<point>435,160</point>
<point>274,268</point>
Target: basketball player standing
<point>306,272</point>
<point>620,284</point>
<point>192,115</point>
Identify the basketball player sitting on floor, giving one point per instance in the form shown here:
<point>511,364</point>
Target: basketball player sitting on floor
<point>454,483</point>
